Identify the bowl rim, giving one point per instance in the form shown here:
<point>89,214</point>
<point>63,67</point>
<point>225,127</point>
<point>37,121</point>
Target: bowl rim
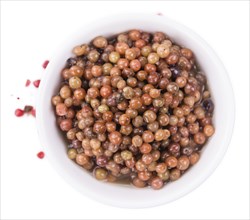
<point>108,19</point>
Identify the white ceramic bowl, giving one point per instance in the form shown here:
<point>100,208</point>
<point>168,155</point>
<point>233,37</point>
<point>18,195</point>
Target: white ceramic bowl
<point>126,195</point>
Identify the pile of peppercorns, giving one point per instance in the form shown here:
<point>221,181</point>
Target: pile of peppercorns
<point>134,107</point>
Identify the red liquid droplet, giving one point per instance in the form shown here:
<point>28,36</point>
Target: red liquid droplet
<point>37,83</point>
<point>40,155</point>
<point>27,83</point>
<point>18,98</point>
<point>45,64</point>
<point>33,112</point>
<point>19,112</point>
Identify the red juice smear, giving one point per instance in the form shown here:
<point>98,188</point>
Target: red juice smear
<point>27,83</point>
<point>41,155</point>
<point>45,64</point>
<point>36,83</point>
<point>33,112</point>
<point>19,112</point>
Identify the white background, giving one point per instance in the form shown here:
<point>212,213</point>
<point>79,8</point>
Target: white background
<point>31,189</point>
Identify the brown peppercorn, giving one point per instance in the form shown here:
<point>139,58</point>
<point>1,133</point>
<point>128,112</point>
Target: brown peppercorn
<point>96,71</point>
<point>99,127</point>
<point>154,126</point>
<point>122,63</point>
<point>86,111</point>
<point>61,109</point>
<point>147,159</point>
<point>163,50</point>
<point>149,116</point>
<point>105,91</point>
<point>66,124</point>
<point>128,92</point>
<point>126,155</point>
<point>154,93</point>
<point>130,54</point>
<point>163,119</point>
<point>208,130</point>
<point>172,58</point>
<point>199,112</point>
<point>186,53</point>
<point>65,92</point>
<point>138,183</point>
<point>135,65</point>
<point>153,58</point>
<point>93,92</point>
<point>115,71</point>
<point>199,138</point>
<point>189,100</point>
<point>171,161</point>
<point>161,168</point>
<point>175,174</point>
<point>134,35</point>
<point>137,121</point>
<point>132,82</point>
<point>140,43</point>
<point>115,137</point>
<point>172,87</point>
<point>124,119</point>
<point>158,37</point>
<point>137,141</point>
<point>126,129</point>
<point>111,126</point>
<point>148,136</point>
<point>144,175</point>
<point>76,71</point>
<point>145,148</point>
<point>193,158</point>
<point>121,47</point>
<point>156,183</point>
<point>178,112</point>
<point>193,128</point>
<point>173,120</point>
<point>135,103</point>
<point>132,113</point>
<point>56,100</point>
<point>75,82</point>
<point>93,56</point>
<point>183,163</point>
<point>82,159</point>
<point>174,148</point>
<point>100,174</point>
<point>80,94</point>
<point>146,99</point>
<point>191,118</point>
<point>114,57</point>
<point>121,84</point>
<point>100,42</point>
<point>164,176</point>
<point>107,116</point>
<point>130,163</point>
<point>101,161</point>
<point>95,143</point>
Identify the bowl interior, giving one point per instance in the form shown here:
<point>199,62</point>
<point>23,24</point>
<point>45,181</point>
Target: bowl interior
<point>126,195</point>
